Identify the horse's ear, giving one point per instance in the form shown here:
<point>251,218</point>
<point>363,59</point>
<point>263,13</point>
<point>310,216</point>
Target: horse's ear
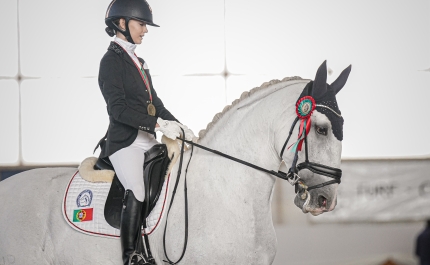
<point>341,80</point>
<point>319,87</point>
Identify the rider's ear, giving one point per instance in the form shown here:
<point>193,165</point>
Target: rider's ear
<point>341,80</point>
<point>319,87</point>
<point>121,23</point>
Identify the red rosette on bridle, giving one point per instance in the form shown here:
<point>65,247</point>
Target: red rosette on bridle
<point>304,109</point>
<point>305,106</point>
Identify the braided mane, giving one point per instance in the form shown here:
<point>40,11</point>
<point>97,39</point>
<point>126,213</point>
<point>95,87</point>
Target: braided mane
<point>245,95</point>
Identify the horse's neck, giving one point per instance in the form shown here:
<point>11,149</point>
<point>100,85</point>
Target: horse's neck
<point>247,132</point>
<point>222,191</point>
<point>243,135</point>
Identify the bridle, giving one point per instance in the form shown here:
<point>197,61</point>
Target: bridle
<point>293,172</point>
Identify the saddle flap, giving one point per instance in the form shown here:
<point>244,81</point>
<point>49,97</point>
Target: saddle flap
<point>114,202</point>
<point>154,175</point>
<point>155,168</point>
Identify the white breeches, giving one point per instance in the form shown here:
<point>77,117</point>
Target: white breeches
<point>128,163</point>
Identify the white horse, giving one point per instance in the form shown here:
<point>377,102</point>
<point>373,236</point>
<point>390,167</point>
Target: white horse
<point>230,219</point>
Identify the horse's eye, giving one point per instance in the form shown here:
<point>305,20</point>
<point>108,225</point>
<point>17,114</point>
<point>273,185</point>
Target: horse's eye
<point>321,130</point>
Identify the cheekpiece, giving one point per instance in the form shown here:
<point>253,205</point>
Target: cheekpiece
<point>305,106</point>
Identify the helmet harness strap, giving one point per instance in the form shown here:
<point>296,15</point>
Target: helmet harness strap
<point>125,32</point>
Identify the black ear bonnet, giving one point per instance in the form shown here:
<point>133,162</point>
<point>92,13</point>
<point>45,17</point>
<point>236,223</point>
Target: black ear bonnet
<point>328,99</point>
<point>325,97</point>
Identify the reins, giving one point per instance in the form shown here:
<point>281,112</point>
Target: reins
<point>279,174</point>
<point>186,204</point>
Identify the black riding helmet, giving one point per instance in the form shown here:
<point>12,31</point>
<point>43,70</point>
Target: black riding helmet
<point>127,9</point>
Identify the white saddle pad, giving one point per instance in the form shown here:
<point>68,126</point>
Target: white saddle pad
<point>84,202</point>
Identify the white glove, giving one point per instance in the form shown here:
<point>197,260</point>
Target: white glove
<point>189,135</point>
<point>170,129</point>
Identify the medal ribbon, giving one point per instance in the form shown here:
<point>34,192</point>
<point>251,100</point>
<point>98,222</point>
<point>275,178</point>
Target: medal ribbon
<point>144,78</point>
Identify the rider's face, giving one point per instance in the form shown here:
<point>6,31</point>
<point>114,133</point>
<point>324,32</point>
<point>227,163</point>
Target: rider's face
<point>137,29</point>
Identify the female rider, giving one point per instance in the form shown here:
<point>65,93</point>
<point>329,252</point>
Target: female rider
<point>135,111</point>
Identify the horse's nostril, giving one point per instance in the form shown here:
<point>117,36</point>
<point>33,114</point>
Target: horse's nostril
<point>322,201</point>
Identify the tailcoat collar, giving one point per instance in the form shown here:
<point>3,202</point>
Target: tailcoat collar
<point>116,48</point>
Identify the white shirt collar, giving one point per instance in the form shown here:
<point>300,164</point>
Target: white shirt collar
<point>129,47</point>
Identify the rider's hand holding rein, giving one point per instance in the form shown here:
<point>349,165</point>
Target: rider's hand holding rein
<point>189,135</point>
<point>172,129</point>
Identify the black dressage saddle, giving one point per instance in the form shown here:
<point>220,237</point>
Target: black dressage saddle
<point>155,167</point>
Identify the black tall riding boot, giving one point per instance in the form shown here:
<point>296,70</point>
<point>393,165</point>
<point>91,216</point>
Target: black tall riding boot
<point>130,234</point>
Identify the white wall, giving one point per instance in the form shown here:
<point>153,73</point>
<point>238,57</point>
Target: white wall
<point>347,244</point>
<point>61,44</point>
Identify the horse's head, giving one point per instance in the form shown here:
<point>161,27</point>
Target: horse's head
<point>317,151</point>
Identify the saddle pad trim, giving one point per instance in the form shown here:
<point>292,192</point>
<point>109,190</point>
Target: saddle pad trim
<point>66,216</point>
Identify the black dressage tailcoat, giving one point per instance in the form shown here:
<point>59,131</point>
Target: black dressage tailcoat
<point>127,99</point>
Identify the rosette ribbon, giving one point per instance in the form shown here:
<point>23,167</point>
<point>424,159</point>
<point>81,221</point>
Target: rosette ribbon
<point>304,108</point>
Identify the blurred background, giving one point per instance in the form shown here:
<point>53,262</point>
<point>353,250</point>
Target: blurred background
<point>204,55</point>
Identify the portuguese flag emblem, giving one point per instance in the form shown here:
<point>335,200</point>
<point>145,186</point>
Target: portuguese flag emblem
<point>83,215</point>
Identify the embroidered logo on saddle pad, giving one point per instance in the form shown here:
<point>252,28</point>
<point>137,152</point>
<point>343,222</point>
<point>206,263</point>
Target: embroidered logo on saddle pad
<point>84,198</point>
